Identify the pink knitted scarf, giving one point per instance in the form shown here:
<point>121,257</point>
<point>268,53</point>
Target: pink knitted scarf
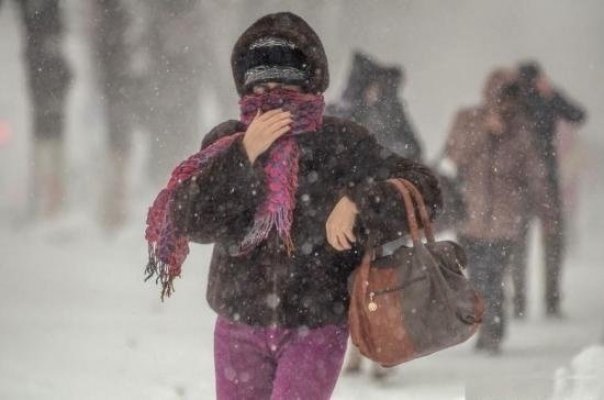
<point>168,247</point>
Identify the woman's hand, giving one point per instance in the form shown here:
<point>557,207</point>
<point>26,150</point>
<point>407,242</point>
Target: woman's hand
<point>340,224</point>
<point>264,130</point>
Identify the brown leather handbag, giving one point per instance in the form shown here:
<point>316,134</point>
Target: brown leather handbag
<point>415,301</point>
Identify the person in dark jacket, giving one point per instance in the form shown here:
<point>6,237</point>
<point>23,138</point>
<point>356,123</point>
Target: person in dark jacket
<point>288,197</point>
<point>371,99</point>
<point>545,106</point>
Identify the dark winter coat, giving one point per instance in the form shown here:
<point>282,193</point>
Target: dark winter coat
<point>544,114</point>
<point>310,287</point>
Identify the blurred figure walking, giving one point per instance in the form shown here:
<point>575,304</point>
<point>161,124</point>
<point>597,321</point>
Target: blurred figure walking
<point>49,77</point>
<point>492,152</point>
<point>149,66</point>
<point>114,50</point>
<point>170,96</point>
<point>545,106</point>
<point>372,99</point>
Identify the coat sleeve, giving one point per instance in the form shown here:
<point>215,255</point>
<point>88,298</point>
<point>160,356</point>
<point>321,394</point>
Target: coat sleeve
<point>381,210</point>
<point>410,140</point>
<point>463,138</point>
<point>406,134</point>
<point>216,204</point>
<point>567,110</point>
<point>538,187</point>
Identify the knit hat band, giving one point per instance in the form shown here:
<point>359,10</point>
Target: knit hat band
<point>277,60</point>
<point>263,73</point>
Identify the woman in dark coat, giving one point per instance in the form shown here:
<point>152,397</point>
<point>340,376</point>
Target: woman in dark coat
<point>288,198</point>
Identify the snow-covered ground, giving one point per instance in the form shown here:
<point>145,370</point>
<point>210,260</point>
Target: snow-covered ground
<point>77,321</point>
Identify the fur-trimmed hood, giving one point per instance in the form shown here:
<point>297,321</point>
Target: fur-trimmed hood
<point>291,27</point>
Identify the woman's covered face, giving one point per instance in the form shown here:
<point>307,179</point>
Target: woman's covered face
<point>372,93</point>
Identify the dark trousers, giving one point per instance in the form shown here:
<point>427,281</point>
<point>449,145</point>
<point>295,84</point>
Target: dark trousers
<point>518,269</point>
<point>553,236</point>
<point>487,262</point>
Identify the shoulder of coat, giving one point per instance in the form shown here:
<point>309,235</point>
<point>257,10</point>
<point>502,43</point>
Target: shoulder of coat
<point>223,129</point>
<point>341,126</point>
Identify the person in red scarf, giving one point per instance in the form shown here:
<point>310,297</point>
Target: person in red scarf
<point>289,198</point>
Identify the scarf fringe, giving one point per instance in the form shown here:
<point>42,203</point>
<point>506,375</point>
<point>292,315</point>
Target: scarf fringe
<point>161,271</point>
<point>262,228</point>
<point>258,233</point>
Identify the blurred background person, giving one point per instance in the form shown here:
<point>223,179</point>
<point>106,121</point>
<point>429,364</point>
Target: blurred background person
<point>149,66</point>
<point>171,91</point>
<point>372,99</point>
<point>48,78</point>
<point>545,107</point>
<point>114,50</point>
<point>492,152</point>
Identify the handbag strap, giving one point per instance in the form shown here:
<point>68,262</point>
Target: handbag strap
<point>408,189</point>
<point>423,210</point>
<point>413,229</point>
<point>409,209</point>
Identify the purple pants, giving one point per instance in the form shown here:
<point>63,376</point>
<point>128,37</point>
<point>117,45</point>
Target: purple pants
<point>277,363</point>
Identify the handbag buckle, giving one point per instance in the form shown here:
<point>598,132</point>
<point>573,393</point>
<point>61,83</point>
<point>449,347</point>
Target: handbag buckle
<point>372,306</point>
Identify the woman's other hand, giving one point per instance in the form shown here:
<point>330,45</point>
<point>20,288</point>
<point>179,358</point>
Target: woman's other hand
<point>493,123</point>
<point>264,130</point>
<point>340,224</point>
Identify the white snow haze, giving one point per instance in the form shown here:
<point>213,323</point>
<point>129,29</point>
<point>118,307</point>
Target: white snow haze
<point>78,322</point>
